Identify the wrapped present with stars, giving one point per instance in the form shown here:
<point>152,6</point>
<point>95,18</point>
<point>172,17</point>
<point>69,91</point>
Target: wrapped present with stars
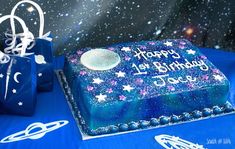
<point>41,46</point>
<point>18,81</point>
<point>18,85</point>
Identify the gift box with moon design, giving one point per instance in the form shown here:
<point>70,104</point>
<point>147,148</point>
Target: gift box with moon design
<point>18,85</point>
<point>41,45</point>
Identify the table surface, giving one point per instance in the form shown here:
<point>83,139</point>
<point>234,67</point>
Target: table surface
<point>218,132</point>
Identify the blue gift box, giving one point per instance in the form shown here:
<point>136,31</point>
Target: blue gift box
<point>42,50</point>
<point>18,86</point>
<point>44,60</point>
<point>41,46</point>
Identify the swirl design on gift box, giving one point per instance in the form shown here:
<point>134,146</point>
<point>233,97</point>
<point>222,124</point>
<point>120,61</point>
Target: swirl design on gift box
<point>172,142</point>
<point>30,133</point>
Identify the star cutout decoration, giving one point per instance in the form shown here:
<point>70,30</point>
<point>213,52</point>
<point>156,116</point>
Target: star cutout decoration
<point>122,97</point>
<point>190,85</point>
<point>120,74</point>
<point>215,70</point>
<point>73,60</point>
<point>30,9</point>
<point>218,77</point>
<point>171,88</point>
<point>79,52</point>
<point>111,49</point>
<point>126,49</point>
<point>40,74</point>
<point>152,43</point>
<point>1,75</point>
<point>139,81</point>
<point>101,97</point>
<point>181,46</point>
<point>127,58</point>
<point>20,103</point>
<point>97,81</point>
<point>14,91</point>
<point>127,88</point>
<point>90,88</point>
<point>113,82</point>
<point>168,44</point>
<point>110,90</point>
<point>143,92</point>
<point>191,51</point>
<point>82,73</point>
<point>205,77</point>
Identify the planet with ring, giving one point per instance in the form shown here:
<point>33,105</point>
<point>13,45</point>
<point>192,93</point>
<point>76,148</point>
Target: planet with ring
<point>34,131</point>
<point>170,142</point>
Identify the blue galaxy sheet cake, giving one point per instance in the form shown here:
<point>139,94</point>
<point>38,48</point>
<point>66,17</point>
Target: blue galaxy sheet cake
<point>140,84</point>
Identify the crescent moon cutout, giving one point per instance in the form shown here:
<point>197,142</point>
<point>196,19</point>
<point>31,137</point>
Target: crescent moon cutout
<point>16,77</point>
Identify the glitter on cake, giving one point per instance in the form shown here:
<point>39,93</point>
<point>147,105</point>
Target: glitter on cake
<point>160,78</point>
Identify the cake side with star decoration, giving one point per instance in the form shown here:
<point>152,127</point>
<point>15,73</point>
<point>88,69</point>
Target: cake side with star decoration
<point>148,79</point>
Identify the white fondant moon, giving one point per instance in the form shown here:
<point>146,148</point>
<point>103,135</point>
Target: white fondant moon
<point>100,59</point>
<point>16,77</point>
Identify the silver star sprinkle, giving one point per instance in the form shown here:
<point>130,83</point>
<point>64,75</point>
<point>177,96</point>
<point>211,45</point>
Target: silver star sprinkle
<point>101,97</point>
<point>97,81</point>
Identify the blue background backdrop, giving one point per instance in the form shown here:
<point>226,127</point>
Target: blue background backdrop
<point>211,133</point>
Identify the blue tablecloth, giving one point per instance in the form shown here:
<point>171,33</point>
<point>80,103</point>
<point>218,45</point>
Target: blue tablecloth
<point>52,107</point>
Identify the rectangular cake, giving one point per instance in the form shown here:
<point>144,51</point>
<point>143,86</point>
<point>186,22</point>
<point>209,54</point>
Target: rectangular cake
<point>135,85</point>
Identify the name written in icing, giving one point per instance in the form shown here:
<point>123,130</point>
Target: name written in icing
<point>162,79</point>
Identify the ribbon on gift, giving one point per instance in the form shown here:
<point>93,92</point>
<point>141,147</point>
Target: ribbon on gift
<point>4,58</point>
<point>41,46</point>
<point>25,37</point>
<point>12,38</point>
<point>20,48</point>
<point>11,41</point>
